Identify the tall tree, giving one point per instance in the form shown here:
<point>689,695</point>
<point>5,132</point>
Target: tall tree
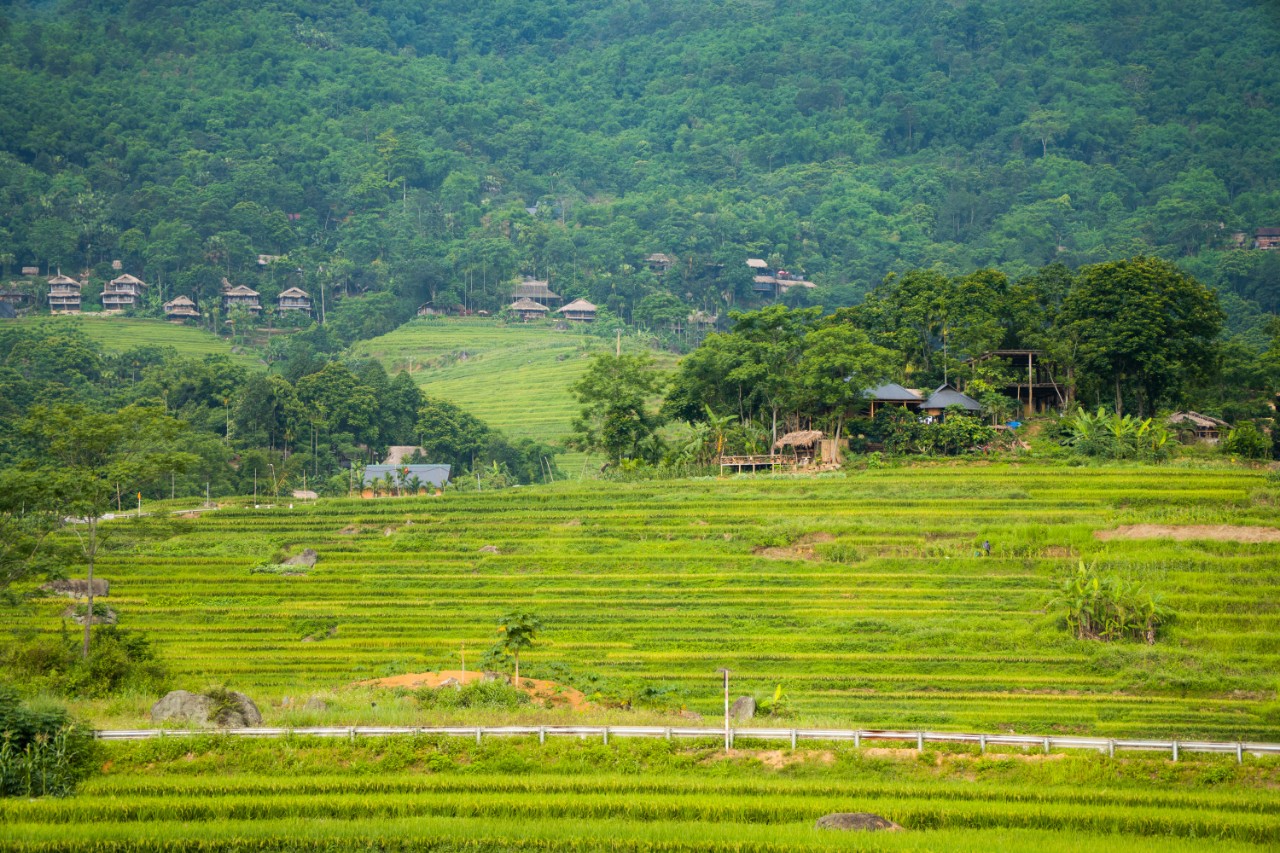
<point>838,364</point>
<point>617,418</point>
<point>1142,329</point>
<point>90,457</point>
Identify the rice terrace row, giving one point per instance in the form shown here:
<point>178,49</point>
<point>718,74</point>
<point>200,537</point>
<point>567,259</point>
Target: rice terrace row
<point>865,596</point>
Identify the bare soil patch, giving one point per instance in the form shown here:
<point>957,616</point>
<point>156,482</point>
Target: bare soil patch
<point>801,549</point>
<point>538,689</point>
<point>777,759</point>
<point>1183,532</point>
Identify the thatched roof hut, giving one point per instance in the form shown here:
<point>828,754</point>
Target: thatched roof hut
<point>807,438</point>
<point>1202,427</point>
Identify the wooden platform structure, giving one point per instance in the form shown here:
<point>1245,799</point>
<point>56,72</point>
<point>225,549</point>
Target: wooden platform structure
<point>1040,391</point>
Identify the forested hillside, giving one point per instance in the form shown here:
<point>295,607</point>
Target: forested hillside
<point>436,149</point>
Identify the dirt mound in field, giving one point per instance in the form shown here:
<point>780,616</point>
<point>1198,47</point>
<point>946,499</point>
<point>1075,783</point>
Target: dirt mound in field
<point>801,549</point>
<point>538,689</point>
<point>1181,532</point>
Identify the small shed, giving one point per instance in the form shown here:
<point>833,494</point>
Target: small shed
<point>398,453</point>
<point>1267,238</point>
<point>180,308</point>
<point>579,310</point>
<point>892,394</point>
<point>659,263</point>
<point>526,309</point>
<point>757,263</point>
<point>406,480</point>
<point>1197,426</point>
<point>944,397</point>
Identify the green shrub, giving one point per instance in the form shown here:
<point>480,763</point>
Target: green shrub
<point>1247,441</point>
<point>120,660</point>
<point>1100,606</point>
<point>496,695</point>
<point>1109,436</point>
<point>43,752</point>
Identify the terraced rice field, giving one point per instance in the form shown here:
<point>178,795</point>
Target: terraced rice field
<point>859,593</point>
<point>424,794</point>
<point>514,377</point>
<point>122,333</point>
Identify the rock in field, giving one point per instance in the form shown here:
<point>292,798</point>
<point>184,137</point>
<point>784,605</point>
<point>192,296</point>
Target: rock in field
<point>180,706</point>
<point>743,708</point>
<point>307,558</point>
<point>230,710</point>
<point>858,821</point>
<point>77,587</point>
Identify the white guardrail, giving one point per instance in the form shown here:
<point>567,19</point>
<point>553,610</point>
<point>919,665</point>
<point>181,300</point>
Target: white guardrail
<point>1046,743</point>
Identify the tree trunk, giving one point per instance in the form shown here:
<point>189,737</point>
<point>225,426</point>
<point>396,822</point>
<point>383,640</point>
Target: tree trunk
<point>517,679</point>
<point>1119,398</point>
<point>90,552</point>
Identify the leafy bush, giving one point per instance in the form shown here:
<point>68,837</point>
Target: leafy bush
<point>43,752</point>
<point>1247,441</point>
<point>121,660</point>
<point>1100,606</point>
<point>496,695</point>
<point>1108,436</point>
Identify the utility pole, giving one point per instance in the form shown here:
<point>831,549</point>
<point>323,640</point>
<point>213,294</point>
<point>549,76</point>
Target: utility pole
<point>727,737</point>
<point>618,351</point>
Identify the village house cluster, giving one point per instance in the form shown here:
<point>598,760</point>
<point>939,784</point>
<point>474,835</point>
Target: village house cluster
<point>125,293</point>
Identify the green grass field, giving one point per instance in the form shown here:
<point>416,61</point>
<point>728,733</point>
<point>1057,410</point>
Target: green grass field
<point>515,377</point>
<point>859,593</point>
<point>450,795</point>
<point>118,333</point>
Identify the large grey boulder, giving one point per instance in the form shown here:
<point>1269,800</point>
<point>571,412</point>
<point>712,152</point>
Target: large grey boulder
<point>228,710</point>
<point>857,821</point>
<point>743,708</point>
<point>307,558</point>
<point>180,706</point>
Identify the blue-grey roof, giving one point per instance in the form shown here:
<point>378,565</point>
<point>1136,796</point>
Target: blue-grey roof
<point>947,396</point>
<point>434,475</point>
<point>892,393</point>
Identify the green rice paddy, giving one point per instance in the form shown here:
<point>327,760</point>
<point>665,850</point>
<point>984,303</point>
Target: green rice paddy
<point>514,377</point>
<point>424,793</point>
<point>860,593</point>
<point>116,333</point>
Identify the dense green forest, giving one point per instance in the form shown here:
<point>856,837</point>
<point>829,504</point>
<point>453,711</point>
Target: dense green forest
<point>434,150</point>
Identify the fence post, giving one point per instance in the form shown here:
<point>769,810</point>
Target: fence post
<point>542,734</point>
<point>1239,753</point>
<point>1046,746</point>
<point>606,735</point>
<point>668,732</point>
<point>1175,750</point>
<point>857,739</point>
<point>1111,749</point>
<point>733,734</point>
<point>351,732</point>
<point>478,731</point>
<point>920,741</point>
<point>982,744</point>
<point>793,738</point>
